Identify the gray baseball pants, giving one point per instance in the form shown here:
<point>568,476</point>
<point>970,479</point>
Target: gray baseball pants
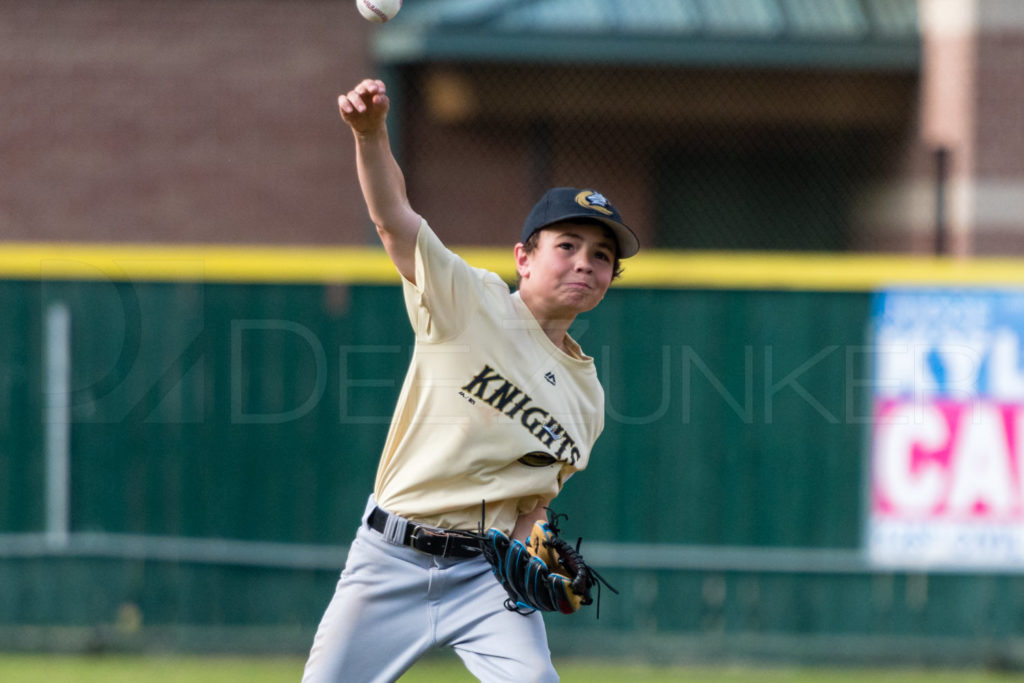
<point>393,603</point>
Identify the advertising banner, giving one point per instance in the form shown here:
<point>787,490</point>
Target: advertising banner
<point>946,474</point>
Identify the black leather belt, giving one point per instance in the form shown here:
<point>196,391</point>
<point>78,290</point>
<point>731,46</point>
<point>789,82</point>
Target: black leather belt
<point>428,539</point>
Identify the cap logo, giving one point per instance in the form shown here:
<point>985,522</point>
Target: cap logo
<point>595,201</point>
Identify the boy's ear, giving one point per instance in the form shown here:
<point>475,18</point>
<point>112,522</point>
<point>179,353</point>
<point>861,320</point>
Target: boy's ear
<point>522,260</point>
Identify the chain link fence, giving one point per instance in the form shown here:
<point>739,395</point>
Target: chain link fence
<point>776,133</point>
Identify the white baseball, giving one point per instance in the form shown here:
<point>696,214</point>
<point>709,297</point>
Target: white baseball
<point>378,11</point>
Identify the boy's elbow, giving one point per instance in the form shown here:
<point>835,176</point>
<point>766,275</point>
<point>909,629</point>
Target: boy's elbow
<point>401,228</point>
<point>400,244</point>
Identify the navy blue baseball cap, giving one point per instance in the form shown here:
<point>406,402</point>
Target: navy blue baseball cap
<point>570,203</point>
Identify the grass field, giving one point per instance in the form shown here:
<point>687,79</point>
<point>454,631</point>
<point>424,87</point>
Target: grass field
<point>129,669</point>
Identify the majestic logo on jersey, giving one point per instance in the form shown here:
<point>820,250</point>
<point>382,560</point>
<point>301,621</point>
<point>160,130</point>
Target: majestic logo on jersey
<point>550,377</point>
<point>595,201</point>
<point>490,387</point>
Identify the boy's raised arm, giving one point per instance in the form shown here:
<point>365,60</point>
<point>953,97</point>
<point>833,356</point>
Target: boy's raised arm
<point>365,109</point>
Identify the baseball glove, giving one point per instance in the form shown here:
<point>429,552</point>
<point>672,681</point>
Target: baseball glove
<point>545,574</point>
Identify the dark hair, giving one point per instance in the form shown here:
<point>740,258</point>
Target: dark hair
<point>531,244</point>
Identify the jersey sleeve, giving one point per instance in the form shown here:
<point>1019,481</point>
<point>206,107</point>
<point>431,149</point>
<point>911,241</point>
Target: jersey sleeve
<point>448,291</point>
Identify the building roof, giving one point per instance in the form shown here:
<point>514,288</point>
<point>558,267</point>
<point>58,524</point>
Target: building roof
<point>865,34</point>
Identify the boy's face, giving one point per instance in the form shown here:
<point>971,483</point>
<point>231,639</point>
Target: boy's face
<point>572,266</point>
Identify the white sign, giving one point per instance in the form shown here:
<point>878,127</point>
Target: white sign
<point>947,459</point>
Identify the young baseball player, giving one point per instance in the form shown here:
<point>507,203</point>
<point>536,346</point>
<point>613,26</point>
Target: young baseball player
<point>499,408</point>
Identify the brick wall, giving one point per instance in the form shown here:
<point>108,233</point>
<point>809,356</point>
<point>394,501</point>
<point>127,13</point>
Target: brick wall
<point>178,121</point>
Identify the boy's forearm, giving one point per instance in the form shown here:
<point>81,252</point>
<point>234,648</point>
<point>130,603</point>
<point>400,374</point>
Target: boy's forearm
<point>382,183</point>
<point>524,525</point>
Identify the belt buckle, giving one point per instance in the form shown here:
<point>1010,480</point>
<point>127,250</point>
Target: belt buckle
<point>430,532</point>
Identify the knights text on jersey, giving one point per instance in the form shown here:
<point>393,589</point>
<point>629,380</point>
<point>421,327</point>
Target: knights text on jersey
<point>490,410</point>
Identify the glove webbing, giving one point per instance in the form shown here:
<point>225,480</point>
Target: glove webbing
<point>571,559</point>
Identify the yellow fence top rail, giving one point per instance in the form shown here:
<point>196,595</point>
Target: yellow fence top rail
<point>370,265</point>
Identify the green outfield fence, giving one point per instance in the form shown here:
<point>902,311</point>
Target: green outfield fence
<point>185,458</point>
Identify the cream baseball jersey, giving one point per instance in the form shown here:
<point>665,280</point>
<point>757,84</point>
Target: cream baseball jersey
<point>491,411</point>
